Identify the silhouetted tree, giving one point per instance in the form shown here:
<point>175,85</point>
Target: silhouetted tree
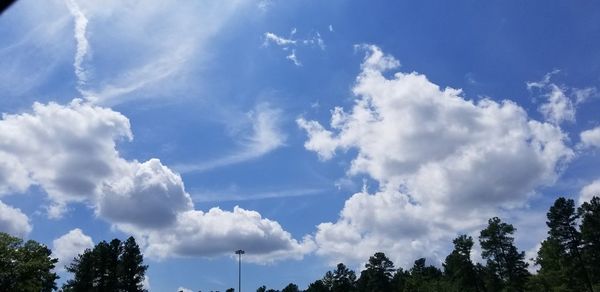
<point>377,275</point>
<point>340,280</point>
<point>114,266</point>
<point>503,258</point>
<point>291,287</point>
<point>562,221</point>
<point>424,278</point>
<point>132,271</point>
<point>458,267</point>
<point>230,290</point>
<point>262,288</point>
<point>590,236</point>
<point>25,267</point>
<point>400,280</point>
<point>317,286</point>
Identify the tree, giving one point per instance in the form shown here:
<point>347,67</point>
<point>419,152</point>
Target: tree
<point>424,278</point>
<point>132,271</point>
<point>551,275</point>
<point>291,287</point>
<point>378,274</point>
<point>262,288</point>
<point>317,286</point>
<point>503,258</point>
<point>230,290</point>
<point>114,266</point>
<point>340,280</point>
<point>562,221</point>
<point>590,236</point>
<point>458,267</point>
<point>400,280</point>
<point>25,266</point>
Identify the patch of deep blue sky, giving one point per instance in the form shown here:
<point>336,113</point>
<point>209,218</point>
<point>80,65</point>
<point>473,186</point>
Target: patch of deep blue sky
<point>487,48</point>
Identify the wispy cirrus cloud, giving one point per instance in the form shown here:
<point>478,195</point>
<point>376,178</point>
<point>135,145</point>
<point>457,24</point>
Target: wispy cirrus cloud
<point>263,136</point>
<point>83,45</point>
<point>290,44</point>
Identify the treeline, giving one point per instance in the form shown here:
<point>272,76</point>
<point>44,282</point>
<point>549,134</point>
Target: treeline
<point>568,260</point>
<point>29,266</point>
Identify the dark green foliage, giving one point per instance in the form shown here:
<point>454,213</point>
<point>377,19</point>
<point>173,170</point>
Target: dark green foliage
<point>230,290</point>
<point>262,288</point>
<point>377,275</point>
<point>458,267</point>
<point>317,286</point>
<point>562,223</point>
<point>291,287</point>
<point>340,280</point>
<point>25,267</point>
<point>504,261</point>
<point>400,280</point>
<point>590,236</point>
<point>114,266</point>
<point>424,278</point>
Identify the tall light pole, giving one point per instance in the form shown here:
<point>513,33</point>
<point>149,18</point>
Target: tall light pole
<point>240,253</point>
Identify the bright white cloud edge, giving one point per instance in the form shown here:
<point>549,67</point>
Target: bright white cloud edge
<point>444,164</point>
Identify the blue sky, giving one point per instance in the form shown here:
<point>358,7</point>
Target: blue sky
<point>305,132</point>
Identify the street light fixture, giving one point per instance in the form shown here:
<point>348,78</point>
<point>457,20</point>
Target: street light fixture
<point>240,252</point>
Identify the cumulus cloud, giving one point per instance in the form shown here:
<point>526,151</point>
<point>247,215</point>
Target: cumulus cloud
<point>589,191</point>
<point>148,195</point>
<point>262,136</point>
<point>443,163</point>
<point>13,221</point>
<point>219,232</point>
<point>591,137</point>
<point>69,245</point>
<point>558,107</point>
<point>69,151</point>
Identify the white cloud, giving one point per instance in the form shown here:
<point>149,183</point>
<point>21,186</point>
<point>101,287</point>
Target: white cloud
<point>292,44</point>
<point>13,221</point>
<point>218,232</point>
<point>558,106</point>
<point>149,194</point>
<point>263,136</point>
<point>69,245</point>
<point>584,94</point>
<point>82,43</point>
<point>292,57</point>
<point>589,191</point>
<point>69,151</point>
<point>278,40</point>
<point>591,137</point>
<point>443,163</point>
<point>145,56</point>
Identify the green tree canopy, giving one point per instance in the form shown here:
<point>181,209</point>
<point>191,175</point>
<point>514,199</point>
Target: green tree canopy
<point>25,266</point>
<point>114,266</point>
<point>458,267</point>
<point>503,259</point>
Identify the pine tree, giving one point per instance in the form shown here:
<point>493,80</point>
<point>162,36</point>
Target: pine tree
<point>378,274</point>
<point>562,221</point>
<point>503,258</point>
<point>458,267</point>
<point>590,236</point>
<point>132,271</point>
